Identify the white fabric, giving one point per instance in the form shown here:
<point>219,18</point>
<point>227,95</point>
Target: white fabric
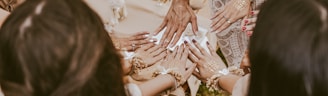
<point>1,93</point>
<point>132,89</point>
<point>241,86</point>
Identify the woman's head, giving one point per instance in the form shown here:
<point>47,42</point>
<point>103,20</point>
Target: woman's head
<point>288,49</point>
<point>58,48</point>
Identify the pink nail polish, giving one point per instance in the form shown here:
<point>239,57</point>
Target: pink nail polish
<point>244,28</point>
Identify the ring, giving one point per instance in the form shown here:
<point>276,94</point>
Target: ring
<point>133,45</point>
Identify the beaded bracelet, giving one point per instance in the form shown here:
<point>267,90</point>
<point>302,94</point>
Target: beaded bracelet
<point>177,76</point>
<point>138,64</point>
<point>212,82</point>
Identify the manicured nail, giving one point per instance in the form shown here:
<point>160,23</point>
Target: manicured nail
<point>246,21</point>
<point>193,40</point>
<point>252,12</point>
<point>207,43</point>
<point>244,28</point>
<point>185,42</point>
<point>147,35</point>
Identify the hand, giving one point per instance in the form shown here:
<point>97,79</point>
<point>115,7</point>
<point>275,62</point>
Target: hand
<point>176,21</point>
<point>150,53</point>
<point>207,63</point>
<point>131,43</point>
<point>177,61</point>
<point>249,23</point>
<point>230,13</point>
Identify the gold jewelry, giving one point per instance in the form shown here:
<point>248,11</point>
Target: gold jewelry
<point>213,81</point>
<point>138,64</point>
<point>176,75</point>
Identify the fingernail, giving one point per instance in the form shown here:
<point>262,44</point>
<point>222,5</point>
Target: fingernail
<point>246,21</point>
<point>252,12</point>
<point>207,43</point>
<point>193,40</point>
<point>185,42</point>
<point>146,35</point>
<point>244,28</point>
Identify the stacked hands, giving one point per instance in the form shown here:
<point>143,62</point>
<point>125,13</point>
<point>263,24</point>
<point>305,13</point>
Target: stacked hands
<point>174,63</point>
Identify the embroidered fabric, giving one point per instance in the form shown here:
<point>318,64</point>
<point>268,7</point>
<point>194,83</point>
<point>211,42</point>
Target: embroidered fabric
<point>232,41</point>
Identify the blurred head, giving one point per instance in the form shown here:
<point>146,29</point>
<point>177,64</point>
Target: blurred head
<point>58,48</point>
<point>288,49</point>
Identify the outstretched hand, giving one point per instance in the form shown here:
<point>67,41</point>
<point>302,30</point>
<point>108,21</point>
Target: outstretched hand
<point>230,13</point>
<point>177,61</point>
<point>208,63</point>
<point>176,21</point>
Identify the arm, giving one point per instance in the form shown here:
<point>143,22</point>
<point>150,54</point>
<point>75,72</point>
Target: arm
<point>228,82</point>
<point>157,85</point>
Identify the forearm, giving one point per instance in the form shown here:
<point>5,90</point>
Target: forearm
<point>157,85</point>
<point>228,82</point>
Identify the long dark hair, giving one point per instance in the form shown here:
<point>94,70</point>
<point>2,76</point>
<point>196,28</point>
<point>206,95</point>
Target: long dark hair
<point>58,48</point>
<point>289,49</point>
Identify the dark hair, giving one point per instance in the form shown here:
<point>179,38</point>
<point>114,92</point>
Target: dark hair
<point>289,49</point>
<point>58,48</point>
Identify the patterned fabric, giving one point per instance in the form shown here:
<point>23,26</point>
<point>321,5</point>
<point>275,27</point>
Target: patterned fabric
<point>232,41</point>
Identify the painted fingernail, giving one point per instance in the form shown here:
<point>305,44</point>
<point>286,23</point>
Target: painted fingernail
<point>246,21</point>
<point>252,12</point>
<point>244,28</point>
<point>193,40</point>
<point>207,43</point>
<point>185,42</point>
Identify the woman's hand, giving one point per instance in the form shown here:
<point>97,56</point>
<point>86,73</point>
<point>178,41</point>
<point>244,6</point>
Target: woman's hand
<point>207,63</point>
<point>230,13</point>
<point>177,61</point>
<point>176,21</point>
<point>150,53</point>
<point>131,43</point>
<point>249,23</point>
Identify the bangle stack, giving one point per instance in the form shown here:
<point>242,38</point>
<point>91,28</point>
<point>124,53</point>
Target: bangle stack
<point>213,82</point>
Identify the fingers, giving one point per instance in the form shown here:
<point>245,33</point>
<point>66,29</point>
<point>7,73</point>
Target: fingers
<point>224,26</point>
<point>194,25</point>
<point>139,36</point>
<point>185,53</point>
<point>158,51</point>
<point>195,52</point>
<point>192,57</point>
<point>200,48</point>
<point>218,13</point>
<point>145,47</point>
<point>178,34</point>
<point>179,52</point>
<point>170,35</point>
<point>153,48</point>
<point>160,56</point>
<point>189,71</point>
<point>212,51</point>
<point>165,35</point>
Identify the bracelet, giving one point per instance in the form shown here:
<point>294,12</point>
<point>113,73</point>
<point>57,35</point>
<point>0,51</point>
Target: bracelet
<point>138,64</point>
<point>177,76</point>
<point>212,82</point>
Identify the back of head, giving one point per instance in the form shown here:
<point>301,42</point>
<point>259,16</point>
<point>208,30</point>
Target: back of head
<point>288,49</point>
<point>58,48</point>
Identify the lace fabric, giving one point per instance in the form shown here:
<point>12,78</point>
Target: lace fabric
<point>232,41</point>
